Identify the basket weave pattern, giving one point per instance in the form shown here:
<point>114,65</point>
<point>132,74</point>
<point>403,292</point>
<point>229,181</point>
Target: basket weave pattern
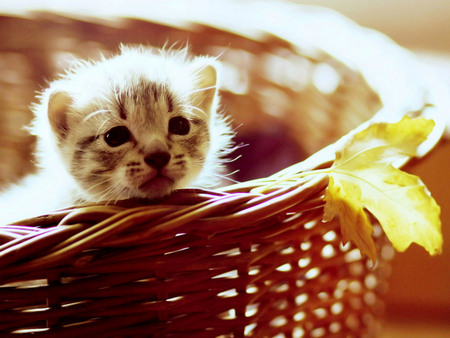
<point>225,263</point>
<point>200,264</point>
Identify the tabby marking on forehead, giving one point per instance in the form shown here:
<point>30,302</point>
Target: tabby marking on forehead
<point>122,111</point>
<point>145,99</point>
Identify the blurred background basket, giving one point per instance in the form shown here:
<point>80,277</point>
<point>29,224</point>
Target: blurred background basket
<point>224,263</point>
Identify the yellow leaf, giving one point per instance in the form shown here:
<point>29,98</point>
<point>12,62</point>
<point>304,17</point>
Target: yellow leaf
<point>363,176</point>
<point>344,198</point>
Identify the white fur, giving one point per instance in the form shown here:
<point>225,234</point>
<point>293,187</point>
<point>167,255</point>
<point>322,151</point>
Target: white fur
<point>89,84</point>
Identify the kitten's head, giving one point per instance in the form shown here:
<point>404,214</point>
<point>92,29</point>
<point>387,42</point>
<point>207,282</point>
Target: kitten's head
<point>137,125</point>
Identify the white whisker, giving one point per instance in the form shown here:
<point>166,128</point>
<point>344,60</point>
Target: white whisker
<point>194,108</point>
<point>225,176</point>
<point>104,193</point>
<point>201,90</point>
<point>100,130</point>
<point>96,185</point>
<point>230,160</point>
<point>100,111</point>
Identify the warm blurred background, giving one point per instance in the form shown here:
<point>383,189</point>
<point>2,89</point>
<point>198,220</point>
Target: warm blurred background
<point>34,46</point>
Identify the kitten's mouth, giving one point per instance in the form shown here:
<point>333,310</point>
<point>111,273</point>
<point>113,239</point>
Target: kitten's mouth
<point>157,184</point>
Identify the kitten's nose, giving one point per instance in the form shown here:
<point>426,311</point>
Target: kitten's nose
<point>158,160</point>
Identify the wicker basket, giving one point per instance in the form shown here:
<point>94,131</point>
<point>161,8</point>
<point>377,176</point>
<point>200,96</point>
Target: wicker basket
<point>229,262</point>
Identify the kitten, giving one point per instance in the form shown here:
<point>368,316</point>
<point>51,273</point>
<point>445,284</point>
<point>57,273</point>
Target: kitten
<point>138,125</point>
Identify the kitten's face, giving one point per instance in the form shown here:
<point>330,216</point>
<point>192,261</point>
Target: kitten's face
<point>136,137</point>
<point>142,146</point>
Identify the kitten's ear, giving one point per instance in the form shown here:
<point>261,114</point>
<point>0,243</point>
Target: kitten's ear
<point>206,88</point>
<point>58,108</point>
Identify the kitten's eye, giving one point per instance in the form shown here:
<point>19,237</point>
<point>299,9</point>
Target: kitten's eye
<point>179,125</point>
<point>117,136</point>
